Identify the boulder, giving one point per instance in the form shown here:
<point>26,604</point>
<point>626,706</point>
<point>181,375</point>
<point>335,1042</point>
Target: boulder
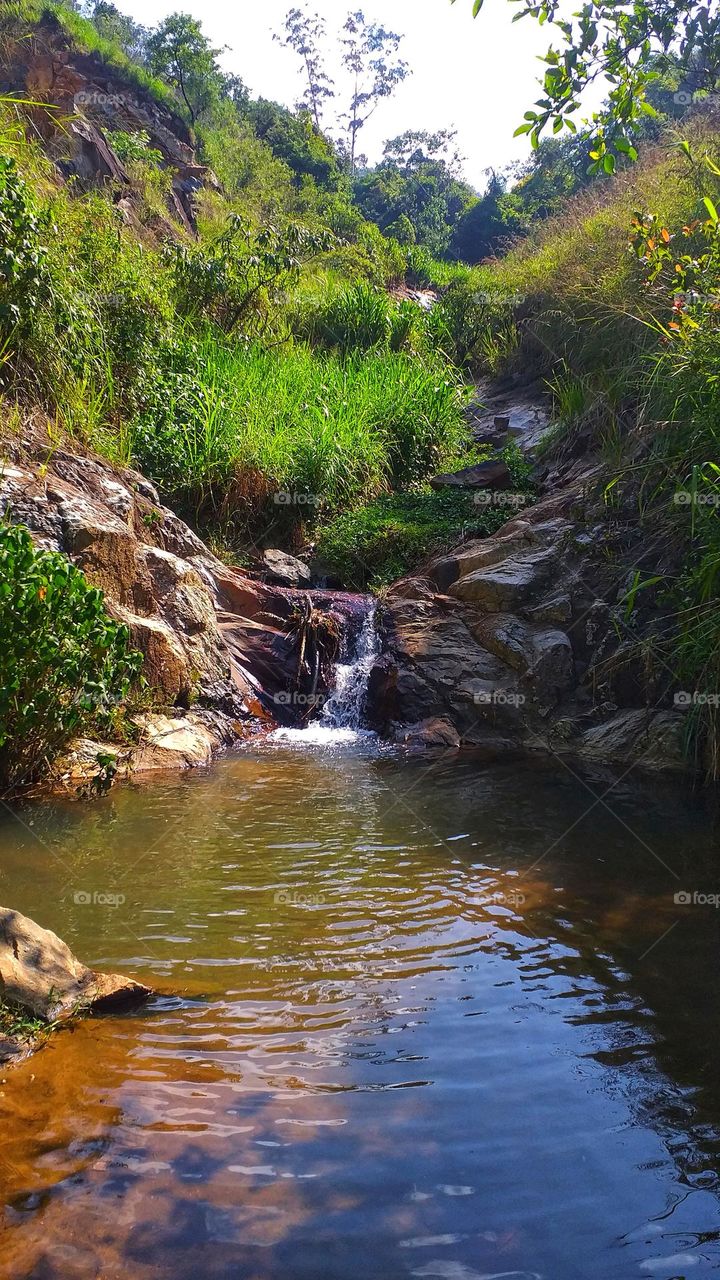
<point>169,743</point>
<point>40,973</point>
<point>652,739</point>
<point>494,474</point>
<point>435,733</point>
<point>506,586</point>
<point>284,570</point>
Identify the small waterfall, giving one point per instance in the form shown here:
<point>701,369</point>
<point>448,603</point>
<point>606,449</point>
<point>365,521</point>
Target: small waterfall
<point>341,716</point>
<point>343,709</point>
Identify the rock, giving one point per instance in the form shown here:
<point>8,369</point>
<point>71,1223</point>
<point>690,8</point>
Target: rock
<point>10,1049</point>
<point>494,474</point>
<point>556,610</point>
<point>432,733</point>
<point>650,738</point>
<point>169,743</point>
<point>166,666</point>
<point>508,585</point>
<point>284,570</point>
<point>544,657</point>
<point>40,973</point>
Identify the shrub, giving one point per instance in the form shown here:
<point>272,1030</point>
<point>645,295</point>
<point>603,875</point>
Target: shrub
<point>21,255</point>
<point>64,664</point>
<point>236,279</point>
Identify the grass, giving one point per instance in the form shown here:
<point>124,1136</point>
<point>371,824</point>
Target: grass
<point>17,1023</point>
<point>253,423</point>
<point>370,547</point>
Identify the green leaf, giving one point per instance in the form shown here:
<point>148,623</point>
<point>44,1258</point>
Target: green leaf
<point>711,210</point>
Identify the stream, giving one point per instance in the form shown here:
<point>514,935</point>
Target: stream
<point>415,1018</point>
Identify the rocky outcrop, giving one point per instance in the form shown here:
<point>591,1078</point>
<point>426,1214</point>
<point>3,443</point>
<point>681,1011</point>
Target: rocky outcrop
<point>39,973</point>
<point>88,99</point>
<point>223,651</point>
<point>519,643</point>
<point>493,474</point>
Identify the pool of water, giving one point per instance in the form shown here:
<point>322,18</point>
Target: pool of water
<point>412,1021</point>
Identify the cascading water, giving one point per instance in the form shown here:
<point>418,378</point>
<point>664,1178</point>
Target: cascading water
<point>341,716</point>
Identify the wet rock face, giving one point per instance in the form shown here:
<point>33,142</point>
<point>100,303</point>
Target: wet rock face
<point>508,645</point>
<point>40,973</point>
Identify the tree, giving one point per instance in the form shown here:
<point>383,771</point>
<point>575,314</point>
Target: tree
<point>304,33</point>
<point>179,52</point>
<point>295,140</point>
<point>417,189</point>
<point>485,224</point>
<point>118,28</point>
<point>627,44</point>
<point>370,58</point>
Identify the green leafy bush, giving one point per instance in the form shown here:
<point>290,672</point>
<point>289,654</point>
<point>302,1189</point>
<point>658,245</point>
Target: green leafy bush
<point>236,279</point>
<point>64,664</point>
<point>21,254</point>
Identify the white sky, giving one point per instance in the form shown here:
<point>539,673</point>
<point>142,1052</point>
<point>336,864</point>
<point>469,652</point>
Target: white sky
<point>477,76</point>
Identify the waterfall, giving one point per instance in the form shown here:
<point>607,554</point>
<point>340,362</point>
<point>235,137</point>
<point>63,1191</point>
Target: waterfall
<point>341,717</point>
<point>343,709</point>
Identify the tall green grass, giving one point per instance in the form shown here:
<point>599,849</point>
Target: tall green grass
<point>261,423</point>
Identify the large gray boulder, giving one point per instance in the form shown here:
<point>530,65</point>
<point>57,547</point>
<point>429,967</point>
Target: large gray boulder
<point>41,974</point>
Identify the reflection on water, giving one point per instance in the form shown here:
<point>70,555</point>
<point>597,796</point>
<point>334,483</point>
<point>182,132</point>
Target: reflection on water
<point>444,1023</point>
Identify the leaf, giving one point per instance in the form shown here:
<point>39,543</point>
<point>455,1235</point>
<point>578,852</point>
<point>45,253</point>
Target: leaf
<point>477,6</point>
<point>711,210</point>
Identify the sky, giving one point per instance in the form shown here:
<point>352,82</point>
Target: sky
<point>474,75</point>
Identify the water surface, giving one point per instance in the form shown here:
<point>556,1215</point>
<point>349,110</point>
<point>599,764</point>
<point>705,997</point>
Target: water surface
<point>413,1022</point>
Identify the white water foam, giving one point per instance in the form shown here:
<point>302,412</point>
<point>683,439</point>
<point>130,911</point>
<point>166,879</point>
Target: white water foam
<point>341,717</point>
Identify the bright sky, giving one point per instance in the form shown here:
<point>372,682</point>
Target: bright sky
<point>477,76</point>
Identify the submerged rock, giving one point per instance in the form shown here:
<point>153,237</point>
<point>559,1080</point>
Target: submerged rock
<point>39,973</point>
